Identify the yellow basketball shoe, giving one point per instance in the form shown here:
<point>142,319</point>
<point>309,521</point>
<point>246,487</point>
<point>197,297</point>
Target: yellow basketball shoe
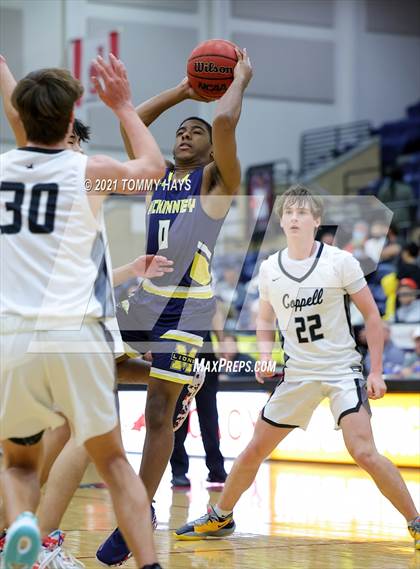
<point>414,529</point>
<point>210,525</point>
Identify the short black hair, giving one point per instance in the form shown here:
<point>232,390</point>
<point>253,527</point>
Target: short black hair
<point>81,131</point>
<point>206,124</point>
<point>411,248</point>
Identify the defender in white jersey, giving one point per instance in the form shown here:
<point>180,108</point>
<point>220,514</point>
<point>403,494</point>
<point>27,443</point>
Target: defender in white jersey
<point>306,289</point>
<point>55,288</point>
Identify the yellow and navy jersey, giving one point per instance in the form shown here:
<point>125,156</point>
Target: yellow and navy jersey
<point>179,229</point>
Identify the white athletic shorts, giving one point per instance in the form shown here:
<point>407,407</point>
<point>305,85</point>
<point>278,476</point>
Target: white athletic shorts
<point>292,403</point>
<point>39,386</point>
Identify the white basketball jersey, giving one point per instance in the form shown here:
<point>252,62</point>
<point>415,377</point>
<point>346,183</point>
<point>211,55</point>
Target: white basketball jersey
<point>111,323</point>
<point>54,270</point>
<point>312,312</point>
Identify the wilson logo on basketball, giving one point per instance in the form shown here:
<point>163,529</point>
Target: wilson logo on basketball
<point>210,67</point>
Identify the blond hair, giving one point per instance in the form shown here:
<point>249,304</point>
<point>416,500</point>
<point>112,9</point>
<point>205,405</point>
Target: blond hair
<point>303,197</point>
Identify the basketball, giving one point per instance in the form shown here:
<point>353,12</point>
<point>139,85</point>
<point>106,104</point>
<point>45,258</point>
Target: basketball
<point>210,68</point>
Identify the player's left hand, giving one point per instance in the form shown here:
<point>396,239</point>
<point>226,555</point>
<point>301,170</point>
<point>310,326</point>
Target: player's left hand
<point>151,266</point>
<point>114,90</point>
<point>376,387</point>
<point>243,69</point>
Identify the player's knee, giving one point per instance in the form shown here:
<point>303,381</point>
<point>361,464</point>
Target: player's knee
<point>110,466</point>
<point>364,455</point>
<point>254,453</point>
<point>23,453</point>
<point>159,412</point>
<point>26,463</point>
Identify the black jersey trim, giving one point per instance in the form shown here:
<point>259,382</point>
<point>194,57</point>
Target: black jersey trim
<point>278,425</point>
<point>108,337</point>
<point>42,150</point>
<point>286,357</point>
<point>299,280</point>
<point>27,441</point>
<point>360,402</point>
<point>346,299</point>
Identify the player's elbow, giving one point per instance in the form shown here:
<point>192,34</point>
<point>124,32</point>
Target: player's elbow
<point>373,321</point>
<point>157,167</point>
<point>224,122</point>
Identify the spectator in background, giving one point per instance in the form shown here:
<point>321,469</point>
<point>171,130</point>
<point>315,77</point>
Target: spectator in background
<point>247,321</point>
<point>409,304</point>
<point>374,245</point>
<point>230,293</point>
<point>393,357</point>
<point>384,245</point>
<point>356,246</point>
<point>392,247</point>
<point>230,352</point>
<point>411,366</point>
<point>360,234</point>
<point>407,266</point>
<point>394,189</point>
<point>327,238</point>
<point>208,418</point>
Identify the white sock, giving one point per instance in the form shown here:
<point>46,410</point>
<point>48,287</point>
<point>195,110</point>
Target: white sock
<point>222,513</point>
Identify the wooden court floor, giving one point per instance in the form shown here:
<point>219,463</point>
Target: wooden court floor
<point>295,516</point>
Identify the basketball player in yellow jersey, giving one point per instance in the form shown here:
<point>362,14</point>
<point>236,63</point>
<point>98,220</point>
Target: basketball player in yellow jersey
<point>305,289</point>
<point>184,215</point>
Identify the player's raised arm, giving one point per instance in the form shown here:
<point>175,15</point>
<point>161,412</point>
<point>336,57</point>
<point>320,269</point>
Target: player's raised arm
<point>113,88</point>
<point>228,111</point>
<point>7,85</point>
<point>151,109</point>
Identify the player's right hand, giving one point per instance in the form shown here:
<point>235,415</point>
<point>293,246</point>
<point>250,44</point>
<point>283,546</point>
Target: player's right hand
<point>111,82</point>
<point>261,376</point>
<point>376,386</point>
<point>189,93</point>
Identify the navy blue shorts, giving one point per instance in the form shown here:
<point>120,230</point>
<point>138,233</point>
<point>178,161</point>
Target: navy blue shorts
<point>172,329</point>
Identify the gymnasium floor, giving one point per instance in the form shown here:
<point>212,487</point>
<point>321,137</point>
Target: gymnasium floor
<point>295,516</point>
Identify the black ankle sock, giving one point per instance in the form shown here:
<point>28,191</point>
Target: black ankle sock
<point>153,566</point>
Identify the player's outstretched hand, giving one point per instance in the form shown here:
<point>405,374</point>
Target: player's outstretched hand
<point>151,266</point>
<point>189,93</point>
<point>243,69</point>
<point>376,387</point>
<point>111,82</point>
